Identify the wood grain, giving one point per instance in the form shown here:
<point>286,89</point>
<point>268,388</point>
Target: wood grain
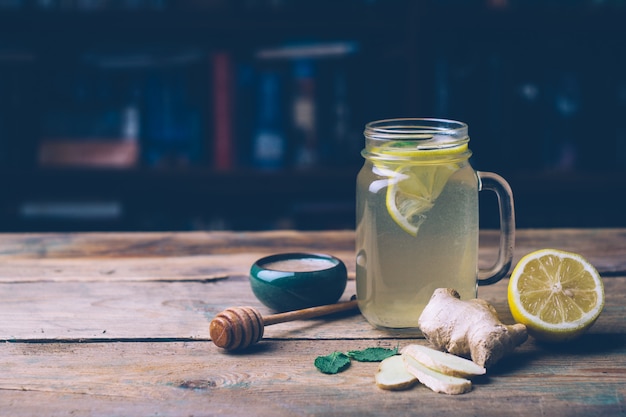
<point>182,268</point>
<point>117,324</point>
<point>183,310</point>
<point>158,244</point>
<point>605,248</point>
<point>194,378</point>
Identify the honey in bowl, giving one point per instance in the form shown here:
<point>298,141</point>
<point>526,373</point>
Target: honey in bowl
<point>293,281</point>
<point>300,265</point>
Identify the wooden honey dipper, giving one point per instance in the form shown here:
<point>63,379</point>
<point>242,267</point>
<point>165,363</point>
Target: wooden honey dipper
<point>237,328</point>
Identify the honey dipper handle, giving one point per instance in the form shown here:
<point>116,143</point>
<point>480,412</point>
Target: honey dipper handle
<point>311,312</point>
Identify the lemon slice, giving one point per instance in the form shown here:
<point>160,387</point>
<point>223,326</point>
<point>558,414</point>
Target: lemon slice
<point>412,192</point>
<point>413,186</point>
<point>557,295</point>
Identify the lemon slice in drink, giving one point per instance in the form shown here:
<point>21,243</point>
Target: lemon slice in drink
<point>413,187</point>
<point>557,295</point>
<point>412,192</point>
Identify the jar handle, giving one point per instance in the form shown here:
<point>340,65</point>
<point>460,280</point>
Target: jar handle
<point>497,184</point>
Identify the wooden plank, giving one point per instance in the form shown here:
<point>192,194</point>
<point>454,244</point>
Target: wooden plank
<point>135,310</point>
<point>182,310</point>
<point>119,245</point>
<point>182,268</point>
<point>195,378</point>
<point>165,268</point>
<point>603,247</point>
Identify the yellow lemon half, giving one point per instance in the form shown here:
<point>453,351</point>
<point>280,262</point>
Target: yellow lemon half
<point>558,295</point>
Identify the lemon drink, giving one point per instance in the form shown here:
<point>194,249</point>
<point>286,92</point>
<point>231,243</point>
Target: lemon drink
<point>417,225</point>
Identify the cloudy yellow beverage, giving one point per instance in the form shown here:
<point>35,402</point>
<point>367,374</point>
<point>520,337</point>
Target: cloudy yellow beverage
<point>401,262</point>
<point>417,221</point>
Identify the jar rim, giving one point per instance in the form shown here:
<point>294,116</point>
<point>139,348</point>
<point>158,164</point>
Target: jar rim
<point>427,140</point>
<point>447,132</point>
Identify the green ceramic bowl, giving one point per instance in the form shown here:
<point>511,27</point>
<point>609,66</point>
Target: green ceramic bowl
<point>292,281</point>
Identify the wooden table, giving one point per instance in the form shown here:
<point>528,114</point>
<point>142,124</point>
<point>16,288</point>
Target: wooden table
<point>117,324</point>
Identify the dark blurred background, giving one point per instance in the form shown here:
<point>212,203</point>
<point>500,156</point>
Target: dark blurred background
<point>248,114</point>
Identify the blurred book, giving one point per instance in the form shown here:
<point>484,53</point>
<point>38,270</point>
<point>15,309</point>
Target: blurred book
<point>173,128</point>
<point>311,94</point>
<point>88,154</point>
<point>269,144</point>
<point>98,138</point>
<point>224,147</point>
<point>158,94</point>
<point>82,214</point>
<point>303,114</point>
<point>91,117</point>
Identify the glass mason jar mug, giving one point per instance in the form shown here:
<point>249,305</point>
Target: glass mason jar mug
<point>417,219</point>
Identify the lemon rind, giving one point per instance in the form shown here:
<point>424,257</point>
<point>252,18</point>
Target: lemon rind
<point>520,314</point>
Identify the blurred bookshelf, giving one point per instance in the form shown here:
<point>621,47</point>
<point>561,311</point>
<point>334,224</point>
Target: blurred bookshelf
<point>248,114</point>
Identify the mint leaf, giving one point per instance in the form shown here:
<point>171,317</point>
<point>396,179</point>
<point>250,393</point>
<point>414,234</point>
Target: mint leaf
<point>372,354</point>
<point>333,363</point>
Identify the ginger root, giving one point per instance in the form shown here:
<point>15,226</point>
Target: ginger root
<point>468,328</point>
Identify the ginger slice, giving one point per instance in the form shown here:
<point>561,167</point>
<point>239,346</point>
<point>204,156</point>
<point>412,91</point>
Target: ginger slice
<point>443,362</point>
<point>393,375</point>
<point>435,380</point>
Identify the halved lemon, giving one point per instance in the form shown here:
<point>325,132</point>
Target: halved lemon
<point>558,295</point>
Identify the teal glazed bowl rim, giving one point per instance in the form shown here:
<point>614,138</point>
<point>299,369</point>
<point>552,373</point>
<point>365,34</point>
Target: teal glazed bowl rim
<point>286,290</point>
